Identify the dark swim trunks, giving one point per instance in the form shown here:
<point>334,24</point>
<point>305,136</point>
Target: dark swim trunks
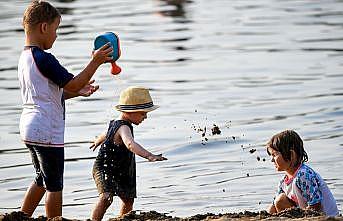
<point>49,166</point>
<point>114,169</point>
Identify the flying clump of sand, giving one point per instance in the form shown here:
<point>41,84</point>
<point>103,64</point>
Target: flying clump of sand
<point>290,214</point>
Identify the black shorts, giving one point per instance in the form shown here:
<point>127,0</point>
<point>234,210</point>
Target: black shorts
<point>49,165</point>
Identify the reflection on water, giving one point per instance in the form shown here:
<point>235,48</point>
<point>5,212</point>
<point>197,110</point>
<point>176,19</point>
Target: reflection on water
<point>253,68</point>
<point>177,8</point>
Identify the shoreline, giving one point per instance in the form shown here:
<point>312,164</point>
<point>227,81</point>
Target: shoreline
<point>290,214</point>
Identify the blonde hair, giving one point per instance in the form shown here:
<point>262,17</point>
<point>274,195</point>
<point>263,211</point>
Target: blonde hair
<point>38,12</point>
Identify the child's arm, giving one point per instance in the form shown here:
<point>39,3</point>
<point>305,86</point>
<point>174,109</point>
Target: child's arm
<point>272,208</point>
<point>99,56</point>
<point>126,136</point>
<point>86,91</point>
<point>313,197</point>
<point>98,141</point>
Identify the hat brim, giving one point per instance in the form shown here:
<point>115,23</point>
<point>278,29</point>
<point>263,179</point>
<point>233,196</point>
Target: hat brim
<point>154,107</point>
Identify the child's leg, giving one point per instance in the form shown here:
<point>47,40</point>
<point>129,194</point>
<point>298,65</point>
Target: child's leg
<point>104,201</point>
<point>126,205</point>
<point>282,202</point>
<point>53,204</point>
<point>36,191</point>
<point>32,198</point>
<point>49,164</point>
<point>271,209</point>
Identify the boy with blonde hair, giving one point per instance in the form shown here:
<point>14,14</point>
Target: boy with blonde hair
<point>45,84</point>
<point>114,169</point>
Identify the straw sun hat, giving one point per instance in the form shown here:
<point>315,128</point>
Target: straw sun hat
<point>134,99</point>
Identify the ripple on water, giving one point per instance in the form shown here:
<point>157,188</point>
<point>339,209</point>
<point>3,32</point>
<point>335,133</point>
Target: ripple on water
<point>262,66</point>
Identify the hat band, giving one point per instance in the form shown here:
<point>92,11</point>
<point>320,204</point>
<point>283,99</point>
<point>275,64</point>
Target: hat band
<point>136,106</point>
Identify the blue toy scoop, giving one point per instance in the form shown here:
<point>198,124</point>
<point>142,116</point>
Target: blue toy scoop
<point>114,40</point>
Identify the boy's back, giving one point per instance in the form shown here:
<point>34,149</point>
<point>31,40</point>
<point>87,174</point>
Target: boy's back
<point>115,166</point>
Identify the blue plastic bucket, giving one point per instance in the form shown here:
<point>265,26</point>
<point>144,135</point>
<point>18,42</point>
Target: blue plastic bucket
<point>114,40</point>
<point>104,39</point>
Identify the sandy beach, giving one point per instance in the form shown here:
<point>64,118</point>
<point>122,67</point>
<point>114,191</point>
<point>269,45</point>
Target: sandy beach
<point>291,214</point>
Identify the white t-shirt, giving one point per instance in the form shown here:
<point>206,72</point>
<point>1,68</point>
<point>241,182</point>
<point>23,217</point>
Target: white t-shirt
<point>42,79</point>
<point>307,188</point>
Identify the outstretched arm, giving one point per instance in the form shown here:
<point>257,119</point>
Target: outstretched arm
<point>86,91</point>
<point>126,136</point>
<point>98,141</point>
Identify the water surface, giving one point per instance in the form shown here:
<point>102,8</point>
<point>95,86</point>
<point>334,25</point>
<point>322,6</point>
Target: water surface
<point>253,68</point>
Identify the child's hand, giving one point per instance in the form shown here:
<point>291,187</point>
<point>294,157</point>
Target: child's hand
<point>103,54</point>
<point>88,89</point>
<point>98,141</point>
<point>159,157</point>
<point>94,145</point>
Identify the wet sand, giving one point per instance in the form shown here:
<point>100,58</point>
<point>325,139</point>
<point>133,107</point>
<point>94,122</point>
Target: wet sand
<point>291,214</point>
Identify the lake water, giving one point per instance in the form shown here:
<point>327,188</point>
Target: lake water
<point>253,68</point>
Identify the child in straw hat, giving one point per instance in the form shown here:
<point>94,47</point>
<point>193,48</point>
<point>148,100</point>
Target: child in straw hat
<point>114,170</point>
